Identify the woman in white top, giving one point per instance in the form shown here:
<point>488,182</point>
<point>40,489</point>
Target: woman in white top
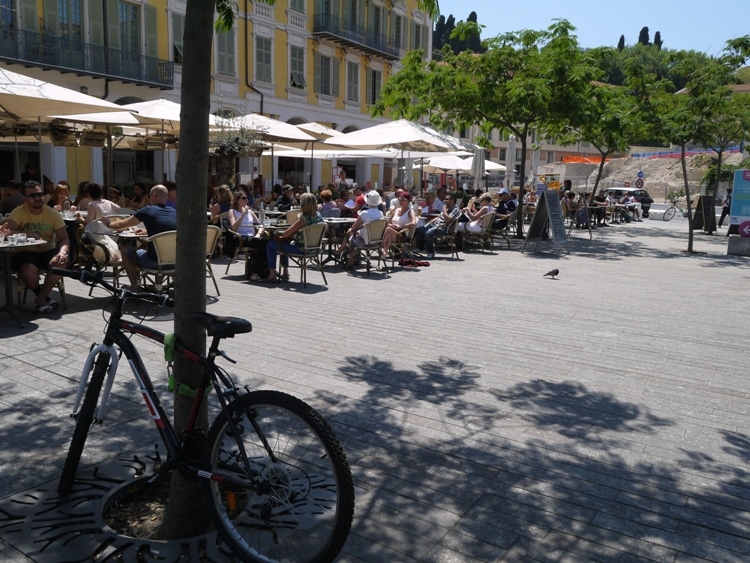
<point>402,219</point>
<point>353,237</point>
<point>474,225</point>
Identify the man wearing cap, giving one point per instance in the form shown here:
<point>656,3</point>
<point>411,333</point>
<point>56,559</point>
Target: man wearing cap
<point>286,199</point>
<point>424,236</point>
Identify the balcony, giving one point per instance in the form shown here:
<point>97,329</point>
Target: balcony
<point>340,31</point>
<point>84,59</point>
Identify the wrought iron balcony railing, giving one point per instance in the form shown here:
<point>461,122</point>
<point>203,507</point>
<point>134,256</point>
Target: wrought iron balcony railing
<point>55,53</point>
<point>339,30</point>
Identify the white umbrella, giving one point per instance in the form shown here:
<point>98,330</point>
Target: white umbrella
<point>534,166</point>
<point>401,134</point>
<point>477,165</point>
<point>23,97</point>
<point>268,129</point>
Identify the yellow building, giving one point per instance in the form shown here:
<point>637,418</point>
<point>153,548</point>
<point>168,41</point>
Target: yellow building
<point>296,60</point>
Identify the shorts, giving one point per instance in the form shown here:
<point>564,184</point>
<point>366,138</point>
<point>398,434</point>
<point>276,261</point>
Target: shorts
<point>39,259</point>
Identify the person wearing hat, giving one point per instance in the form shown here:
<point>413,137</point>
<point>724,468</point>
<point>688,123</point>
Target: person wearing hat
<point>402,219</point>
<point>286,199</point>
<point>353,237</point>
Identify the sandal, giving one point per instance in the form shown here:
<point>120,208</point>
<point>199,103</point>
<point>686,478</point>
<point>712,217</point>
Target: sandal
<point>256,278</point>
<point>273,280</point>
<point>52,303</point>
<point>284,277</point>
<point>45,309</point>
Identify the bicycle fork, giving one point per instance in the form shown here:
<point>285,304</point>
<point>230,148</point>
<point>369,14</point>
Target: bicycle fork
<point>86,373</point>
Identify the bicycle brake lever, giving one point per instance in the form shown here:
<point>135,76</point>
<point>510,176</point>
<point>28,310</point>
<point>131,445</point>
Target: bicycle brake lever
<point>223,354</point>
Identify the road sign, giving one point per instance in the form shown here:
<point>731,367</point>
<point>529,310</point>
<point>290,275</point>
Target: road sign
<point>626,184</point>
<point>744,229</point>
<point>640,174</point>
<point>639,183</point>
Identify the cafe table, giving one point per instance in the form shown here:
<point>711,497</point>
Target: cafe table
<point>7,250</point>
<point>332,223</point>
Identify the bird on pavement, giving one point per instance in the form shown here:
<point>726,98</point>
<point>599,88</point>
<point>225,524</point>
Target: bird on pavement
<point>552,273</point>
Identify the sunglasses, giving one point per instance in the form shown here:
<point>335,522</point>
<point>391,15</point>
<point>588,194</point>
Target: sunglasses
<point>35,195</point>
<point>242,197</point>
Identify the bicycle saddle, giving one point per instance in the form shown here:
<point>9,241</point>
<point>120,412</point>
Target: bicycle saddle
<point>223,327</point>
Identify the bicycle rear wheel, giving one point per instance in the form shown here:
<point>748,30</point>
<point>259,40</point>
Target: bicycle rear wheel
<point>297,503</point>
<point>669,214</point>
<point>84,419</point>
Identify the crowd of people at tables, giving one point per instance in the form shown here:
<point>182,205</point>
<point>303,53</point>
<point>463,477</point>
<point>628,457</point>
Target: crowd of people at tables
<point>237,211</point>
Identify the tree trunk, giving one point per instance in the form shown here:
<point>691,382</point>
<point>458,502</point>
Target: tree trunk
<point>185,514</point>
<point>687,196</point>
<point>522,174</point>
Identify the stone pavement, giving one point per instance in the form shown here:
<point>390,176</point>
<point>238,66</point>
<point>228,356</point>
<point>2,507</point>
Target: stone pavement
<point>488,413</point>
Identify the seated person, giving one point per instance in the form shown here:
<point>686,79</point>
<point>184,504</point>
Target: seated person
<point>310,216</point>
<point>222,204</point>
<point>474,225</point>
<point>502,213</point>
<point>35,218</point>
<point>569,205</point>
<point>424,237</point>
<point>286,200</point>
<point>401,220</point>
<point>98,207</point>
<point>242,220</point>
<point>156,218</point>
<point>629,200</point>
<point>601,202</point>
<point>353,238</point>
<point>327,202</point>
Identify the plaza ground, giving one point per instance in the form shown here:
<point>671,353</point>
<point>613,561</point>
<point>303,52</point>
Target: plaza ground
<point>488,413</point>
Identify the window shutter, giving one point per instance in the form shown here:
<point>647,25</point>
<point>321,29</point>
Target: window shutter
<point>96,22</point>
<point>28,15</point>
<point>152,41</point>
<point>113,24</point>
<point>368,93</point>
<point>317,71</point>
<point>362,15</point>
<point>51,19</point>
<point>335,63</point>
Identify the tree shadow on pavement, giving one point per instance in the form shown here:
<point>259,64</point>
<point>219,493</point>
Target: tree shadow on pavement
<point>447,469</point>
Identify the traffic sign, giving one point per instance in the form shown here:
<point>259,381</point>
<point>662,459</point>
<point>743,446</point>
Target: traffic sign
<point>639,183</point>
<point>744,229</point>
<point>640,174</point>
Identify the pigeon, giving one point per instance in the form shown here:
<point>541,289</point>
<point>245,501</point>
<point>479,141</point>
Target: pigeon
<point>552,273</point>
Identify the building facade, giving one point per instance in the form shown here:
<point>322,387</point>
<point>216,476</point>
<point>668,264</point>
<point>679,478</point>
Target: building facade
<point>295,60</point>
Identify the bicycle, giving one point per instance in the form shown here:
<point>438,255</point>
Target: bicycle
<point>279,485</point>
<point>672,210</point>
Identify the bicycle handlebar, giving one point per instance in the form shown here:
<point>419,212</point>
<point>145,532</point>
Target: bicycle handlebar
<point>95,278</point>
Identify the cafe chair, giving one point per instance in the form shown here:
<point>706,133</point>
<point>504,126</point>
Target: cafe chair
<point>161,277</point>
<point>506,230</point>
<point>98,250</point>
<point>246,251</point>
<point>22,289</point>
<point>402,245</point>
<point>373,233</point>
<point>484,237</point>
<point>213,234</point>
<point>449,239</point>
<point>292,216</point>
<point>312,239</point>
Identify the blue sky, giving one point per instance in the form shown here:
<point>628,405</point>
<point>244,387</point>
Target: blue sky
<point>687,24</point>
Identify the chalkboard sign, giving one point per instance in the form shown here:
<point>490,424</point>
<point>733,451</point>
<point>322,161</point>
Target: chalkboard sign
<point>705,214</point>
<point>548,211</point>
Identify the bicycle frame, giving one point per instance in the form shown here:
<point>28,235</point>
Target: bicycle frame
<point>116,337</point>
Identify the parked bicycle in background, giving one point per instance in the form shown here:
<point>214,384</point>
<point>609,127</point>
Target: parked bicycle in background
<point>673,209</point>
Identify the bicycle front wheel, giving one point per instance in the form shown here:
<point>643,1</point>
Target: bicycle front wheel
<point>84,418</point>
<point>294,502</point>
<point>669,214</point>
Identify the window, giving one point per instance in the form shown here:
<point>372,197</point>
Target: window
<point>69,18</point>
<point>326,75</point>
<point>397,31</point>
<point>178,27</point>
<point>519,155</point>
<point>297,67</point>
<point>376,19</point>
<point>352,81</point>
<point>130,27</point>
<point>298,5</point>
<point>374,81</point>
<point>418,30</point>
<point>225,53</point>
<point>351,13</point>
<point>502,154</point>
<point>263,68</point>
<point>550,157</point>
<point>6,14</point>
